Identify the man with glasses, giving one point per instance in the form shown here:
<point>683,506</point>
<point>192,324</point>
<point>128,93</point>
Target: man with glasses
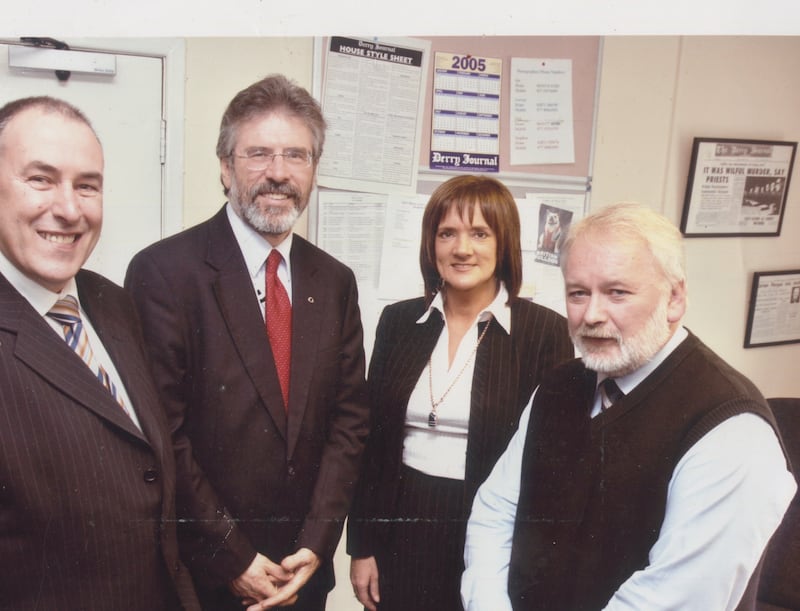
<point>257,349</point>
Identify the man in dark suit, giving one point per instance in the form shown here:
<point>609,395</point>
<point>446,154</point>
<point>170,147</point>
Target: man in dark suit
<point>87,475</point>
<point>268,444</point>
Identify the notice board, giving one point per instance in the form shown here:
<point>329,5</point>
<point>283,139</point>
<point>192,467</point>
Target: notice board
<point>584,54</point>
<point>356,225</point>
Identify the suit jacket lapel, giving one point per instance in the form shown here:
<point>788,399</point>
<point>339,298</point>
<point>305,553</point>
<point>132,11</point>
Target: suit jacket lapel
<point>233,289</point>
<point>494,405</point>
<point>123,349</point>
<point>416,348</point>
<point>308,290</point>
<point>497,348</point>
<point>43,352</point>
<point>405,362</point>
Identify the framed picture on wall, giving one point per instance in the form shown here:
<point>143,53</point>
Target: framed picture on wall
<point>774,314</point>
<point>737,187</point>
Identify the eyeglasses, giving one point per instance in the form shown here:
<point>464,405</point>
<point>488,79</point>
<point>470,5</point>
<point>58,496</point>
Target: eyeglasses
<point>260,160</point>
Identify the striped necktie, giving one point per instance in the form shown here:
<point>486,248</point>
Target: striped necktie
<point>610,393</point>
<point>67,313</point>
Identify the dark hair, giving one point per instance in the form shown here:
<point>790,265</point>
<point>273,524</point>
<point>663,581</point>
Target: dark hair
<point>498,208</point>
<point>45,103</point>
<point>272,93</point>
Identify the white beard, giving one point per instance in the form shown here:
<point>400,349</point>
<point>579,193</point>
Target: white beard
<point>633,352</point>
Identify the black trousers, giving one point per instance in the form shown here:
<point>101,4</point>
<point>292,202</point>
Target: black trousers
<point>420,569</point>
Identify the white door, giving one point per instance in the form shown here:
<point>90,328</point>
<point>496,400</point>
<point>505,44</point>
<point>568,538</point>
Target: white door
<point>126,112</point>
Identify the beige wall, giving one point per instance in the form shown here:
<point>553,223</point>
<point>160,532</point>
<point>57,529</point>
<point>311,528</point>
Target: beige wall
<point>216,68</point>
<point>656,94</point>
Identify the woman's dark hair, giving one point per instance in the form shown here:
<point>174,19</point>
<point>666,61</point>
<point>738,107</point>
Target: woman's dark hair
<point>497,205</point>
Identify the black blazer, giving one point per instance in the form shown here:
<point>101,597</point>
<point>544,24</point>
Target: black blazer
<point>87,501</point>
<point>251,478</point>
<point>507,370</point>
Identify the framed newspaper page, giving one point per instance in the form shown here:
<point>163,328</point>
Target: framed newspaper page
<point>737,187</point>
<point>774,314</point>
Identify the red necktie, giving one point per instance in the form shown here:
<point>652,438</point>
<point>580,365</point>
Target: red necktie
<point>279,323</point>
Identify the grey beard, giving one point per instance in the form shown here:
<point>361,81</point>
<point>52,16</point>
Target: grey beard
<point>274,220</point>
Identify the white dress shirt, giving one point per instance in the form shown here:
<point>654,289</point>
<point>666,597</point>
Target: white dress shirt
<point>255,250</point>
<point>441,451</point>
<point>726,497</point>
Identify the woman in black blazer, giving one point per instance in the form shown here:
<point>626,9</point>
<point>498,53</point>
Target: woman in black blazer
<point>449,376</point>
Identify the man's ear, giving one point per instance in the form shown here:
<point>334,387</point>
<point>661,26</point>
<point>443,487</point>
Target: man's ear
<point>225,173</point>
<point>676,307</point>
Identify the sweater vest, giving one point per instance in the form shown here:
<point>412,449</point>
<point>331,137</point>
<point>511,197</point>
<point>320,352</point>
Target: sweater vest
<point>594,490</point>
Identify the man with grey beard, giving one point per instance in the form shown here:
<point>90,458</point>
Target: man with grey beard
<point>646,475</point>
<point>257,349</point>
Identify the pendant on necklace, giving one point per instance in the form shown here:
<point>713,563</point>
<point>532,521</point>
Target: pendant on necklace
<point>432,419</point>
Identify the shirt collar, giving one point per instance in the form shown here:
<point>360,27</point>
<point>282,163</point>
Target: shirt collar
<point>255,249</point>
<point>40,298</point>
<point>498,309</point>
<point>630,381</point>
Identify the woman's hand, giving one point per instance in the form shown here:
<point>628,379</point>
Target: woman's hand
<point>364,577</point>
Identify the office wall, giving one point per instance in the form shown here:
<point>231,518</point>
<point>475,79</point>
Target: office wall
<point>656,95</point>
<point>216,68</point>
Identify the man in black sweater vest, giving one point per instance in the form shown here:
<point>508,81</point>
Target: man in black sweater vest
<point>647,475</point>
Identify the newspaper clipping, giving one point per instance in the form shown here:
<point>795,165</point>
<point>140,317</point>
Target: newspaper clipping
<point>774,316</point>
<point>737,187</point>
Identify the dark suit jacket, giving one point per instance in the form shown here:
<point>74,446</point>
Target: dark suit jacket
<point>251,478</point>
<point>87,502</point>
<point>507,370</point>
